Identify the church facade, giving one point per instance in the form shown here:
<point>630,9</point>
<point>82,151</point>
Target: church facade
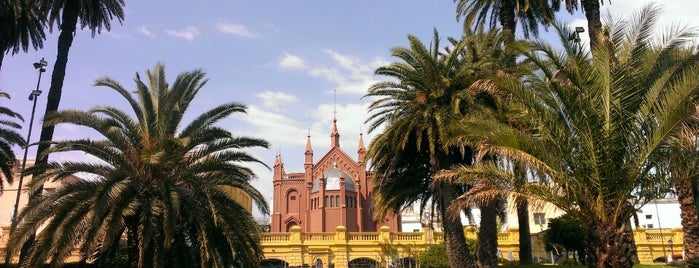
<point>332,191</point>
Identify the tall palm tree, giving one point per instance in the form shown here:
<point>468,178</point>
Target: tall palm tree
<point>21,27</point>
<point>9,137</point>
<point>430,93</point>
<point>406,155</point>
<point>161,183</point>
<point>530,14</point>
<point>681,161</point>
<point>485,54</point>
<point>66,14</point>
<point>596,124</point>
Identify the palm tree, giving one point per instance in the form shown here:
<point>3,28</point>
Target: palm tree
<point>595,125</point>
<point>162,184</point>
<point>406,155</point>
<point>484,55</point>
<point>8,138</point>
<point>93,14</point>
<point>430,94</point>
<point>530,13</point>
<point>21,27</point>
<point>680,160</point>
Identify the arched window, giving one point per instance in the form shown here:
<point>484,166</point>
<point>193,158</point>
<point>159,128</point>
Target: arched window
<point>332,201</point>
<point>326,201</point>
<point>337,200</point>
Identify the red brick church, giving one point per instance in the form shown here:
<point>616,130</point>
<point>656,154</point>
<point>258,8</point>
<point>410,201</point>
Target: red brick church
<point>335,190</point>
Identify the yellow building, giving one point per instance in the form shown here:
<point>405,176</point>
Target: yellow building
<point>341,249</point>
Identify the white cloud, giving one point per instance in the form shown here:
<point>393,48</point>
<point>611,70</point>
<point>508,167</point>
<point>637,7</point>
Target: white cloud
<point>187,33</point>
<point>290,61</point>
<point>145,31</point>
<point>350,74</point>
<point>270,125</point>
<point>235,29</point>
<point>274,100</point>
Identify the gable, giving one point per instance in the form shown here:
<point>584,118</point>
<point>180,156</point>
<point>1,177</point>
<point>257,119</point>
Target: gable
<point>337,157</point>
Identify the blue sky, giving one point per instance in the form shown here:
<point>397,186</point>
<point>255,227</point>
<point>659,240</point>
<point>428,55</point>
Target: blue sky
<point>284,59</point>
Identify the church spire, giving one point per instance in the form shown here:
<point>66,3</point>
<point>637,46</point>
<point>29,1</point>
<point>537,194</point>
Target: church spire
<point>334,136</point>
<point>361,147</point>
<point>309,150</point>
<point>278,160</point>
<point>361,151</point>
<point>308,142</point>
<point>278,167</point>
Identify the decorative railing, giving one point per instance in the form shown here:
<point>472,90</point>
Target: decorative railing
<point>356,236</point>
<point>318,236</point>
<point>275,237</point>
<point>407,236</point>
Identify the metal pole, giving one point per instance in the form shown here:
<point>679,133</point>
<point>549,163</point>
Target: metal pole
<point>662,239</point>
<point>33,96</point>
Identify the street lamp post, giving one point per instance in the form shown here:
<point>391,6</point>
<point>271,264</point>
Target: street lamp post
<point>669,243</point>
<point>33,96</point>
<point>575,36</point>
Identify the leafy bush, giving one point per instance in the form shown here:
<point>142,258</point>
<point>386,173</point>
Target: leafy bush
<point>434,257</point>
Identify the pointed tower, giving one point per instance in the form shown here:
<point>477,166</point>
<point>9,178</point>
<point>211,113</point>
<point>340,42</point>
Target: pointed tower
<point>361,151</point>
<point>308,162</point>
<point>278,167</point>
<point>309,151</point>
<point>334,136</point>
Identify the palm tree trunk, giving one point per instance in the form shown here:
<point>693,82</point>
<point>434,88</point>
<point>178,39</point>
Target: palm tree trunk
<point>607,246</point>
<point>522,204</point>
<point>690,223</point>
<point>132,245</point>
<point>507,20</point>
<point>488,236</point>
<point>65,40</point>
<point>2,57</point>
<point>594,23</point>
<point>459,255</point>
<point>525,239</point>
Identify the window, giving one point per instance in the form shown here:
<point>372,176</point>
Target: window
<point>649,216</point>
<point>325,203</point>
<point>539,218</point>
<point>292,197</point>
<point>337,200</point>
<point>649,226</point>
